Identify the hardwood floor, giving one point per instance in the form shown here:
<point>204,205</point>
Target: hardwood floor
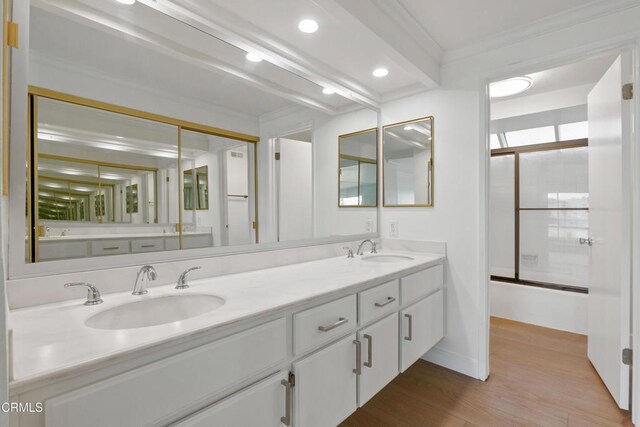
<point>539,376</point>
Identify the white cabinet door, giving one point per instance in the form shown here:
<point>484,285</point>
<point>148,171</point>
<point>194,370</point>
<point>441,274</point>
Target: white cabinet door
<point>261,405</point>
<point>325,389</point>
<point>422,326</point>
<point>379,357</point>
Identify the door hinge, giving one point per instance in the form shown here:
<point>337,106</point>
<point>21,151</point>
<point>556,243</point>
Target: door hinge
<point>627,91</point>
<point>12,35</point>
<point>255,225</point>
<point>627,356</point>
<point>292,379</point>
<point>277,156</point>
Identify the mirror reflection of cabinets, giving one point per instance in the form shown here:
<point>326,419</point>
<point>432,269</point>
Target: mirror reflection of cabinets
<point>407,166</point>
<point>142,139</point>
<point>358,169</point>
<point>104,172</point>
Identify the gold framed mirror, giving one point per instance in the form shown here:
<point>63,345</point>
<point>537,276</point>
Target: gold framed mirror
<point>407,163</point>
<point>358,169</point>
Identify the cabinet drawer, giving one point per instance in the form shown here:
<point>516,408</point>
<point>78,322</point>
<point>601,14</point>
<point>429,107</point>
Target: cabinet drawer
<point>260,405</point>
<point>62,250</point>
<point>147,245</point>
<point>375,303</point>
<point>319,325</point>
<point>157,392</point>
<point>422,283</point>
<point>109,247</point>
<point>171,243</point>
<point>199,241</point>
<point>422,326</point>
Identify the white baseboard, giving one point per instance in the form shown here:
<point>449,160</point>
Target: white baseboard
<point>454,361</point>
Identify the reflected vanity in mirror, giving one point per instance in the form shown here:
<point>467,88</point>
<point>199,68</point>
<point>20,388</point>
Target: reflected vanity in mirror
<point>137,148</point>
<point>358,169</point>
<point>407,167</point>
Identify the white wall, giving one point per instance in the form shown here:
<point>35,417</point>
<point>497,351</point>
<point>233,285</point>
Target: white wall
<point>550,308</point>
<point>454,217</point>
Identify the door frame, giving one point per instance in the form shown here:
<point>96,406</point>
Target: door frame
<point>631,45</point>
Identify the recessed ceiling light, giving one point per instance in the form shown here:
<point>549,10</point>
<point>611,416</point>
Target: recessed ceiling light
<point>308,26</point>
<point>127,2</point>
<point>328,91</point>
<point>253,57</point>
<point>380,72</point>
<point>509,87</point>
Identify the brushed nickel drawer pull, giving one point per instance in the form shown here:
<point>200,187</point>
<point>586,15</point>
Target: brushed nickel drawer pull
<point>369,362</point>
<point>388,301</point>
<point>111,248</point>
<point>358,369</point>
<point>147,246</point>
<point>410,336</point>
<point>286,420</point>
<point>341,321</point>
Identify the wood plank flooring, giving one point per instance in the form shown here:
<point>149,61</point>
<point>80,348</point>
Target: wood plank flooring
<point>539,377</point>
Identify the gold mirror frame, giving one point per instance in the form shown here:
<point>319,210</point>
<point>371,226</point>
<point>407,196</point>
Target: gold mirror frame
<point>34,92</point>
<point>430,165</point>
<point>359,159</point>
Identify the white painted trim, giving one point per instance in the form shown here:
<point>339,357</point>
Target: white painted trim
<point>540,27</point>
<point>454,361</point>
<point>484,270</point>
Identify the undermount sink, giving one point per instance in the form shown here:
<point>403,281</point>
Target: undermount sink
<point>387,258</point>
<point>154,311</point>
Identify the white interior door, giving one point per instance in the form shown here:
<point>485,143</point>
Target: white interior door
<point>295,192</point>
<point>609,180</point>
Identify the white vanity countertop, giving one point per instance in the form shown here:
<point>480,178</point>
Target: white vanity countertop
<point>118,236</point>
<point>51,341</point>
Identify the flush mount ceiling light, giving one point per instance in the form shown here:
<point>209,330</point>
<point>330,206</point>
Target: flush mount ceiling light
<point>380,72</point>
<point>253,57</point>
<point>308,26</point>
<point>509,87</point>
<point>127,2</point>
<point>328,91</point>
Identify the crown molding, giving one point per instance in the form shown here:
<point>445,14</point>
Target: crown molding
<point>568,18</point>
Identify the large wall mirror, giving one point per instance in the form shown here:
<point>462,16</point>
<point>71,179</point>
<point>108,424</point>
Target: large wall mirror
<point>148,134</point>
<point>358,169</point>
<point>408,163</point>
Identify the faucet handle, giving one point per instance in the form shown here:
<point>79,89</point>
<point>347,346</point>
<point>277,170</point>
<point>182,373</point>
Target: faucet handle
<point>93,294</point>
<point>182,280</point>
<point>349,251</point>
<point>373,248</point>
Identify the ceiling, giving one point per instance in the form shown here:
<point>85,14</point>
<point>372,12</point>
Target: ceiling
<point>454,24</point>
<point>586,72</point>
<point>205,59</point>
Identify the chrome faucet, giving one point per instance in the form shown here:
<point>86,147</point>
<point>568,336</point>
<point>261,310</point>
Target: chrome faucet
<point>373,247</point>
<point>182,280</point>
<point>349,251</point>
<point>146,274</point>
<point>93,294</point>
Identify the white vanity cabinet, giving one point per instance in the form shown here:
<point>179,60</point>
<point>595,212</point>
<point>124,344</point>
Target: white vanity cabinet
<point>263,404</point>
<point>312,365</point>
<point>379,357</point>
<point>325,385</point>
<point>162,390</point>
<point>422,326</point>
